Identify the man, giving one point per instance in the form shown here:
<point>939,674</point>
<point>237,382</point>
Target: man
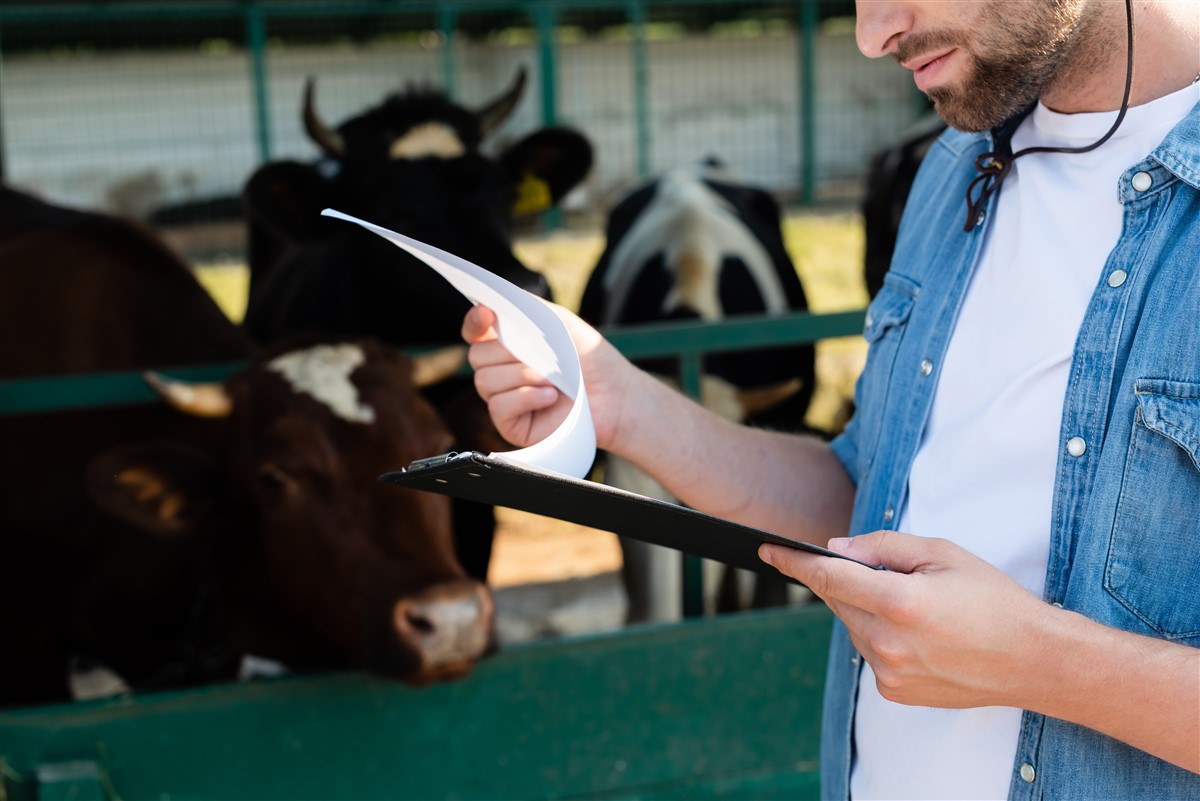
<point>1030,406</point>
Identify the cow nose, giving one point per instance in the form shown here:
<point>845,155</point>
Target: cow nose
<point>447,624</point>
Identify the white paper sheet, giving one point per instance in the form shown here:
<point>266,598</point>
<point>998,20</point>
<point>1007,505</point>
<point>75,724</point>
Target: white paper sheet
<point>533,334</point>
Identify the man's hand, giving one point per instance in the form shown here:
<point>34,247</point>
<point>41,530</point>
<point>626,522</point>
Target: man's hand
<point>941,628</point>
<point>526,407</point>
<point>945,629</point>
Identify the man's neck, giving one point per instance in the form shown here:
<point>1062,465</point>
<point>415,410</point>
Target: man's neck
<point>1166,56</point>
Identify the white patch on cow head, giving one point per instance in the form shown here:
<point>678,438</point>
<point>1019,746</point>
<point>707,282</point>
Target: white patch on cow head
<point>323,372</point>
<point>695,229</point>
<point>429,139</point>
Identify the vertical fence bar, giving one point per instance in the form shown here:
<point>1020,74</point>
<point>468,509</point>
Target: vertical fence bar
<point>544,15</point>
<point>641,98</point>
<point>446,18</point>
<point>256,42</point>
<point>809,19</point>
<point>3,174</point>
<point>544,18</point>
<point>690,368</point>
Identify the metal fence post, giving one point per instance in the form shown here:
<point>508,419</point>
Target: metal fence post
<point>808,87</point>
<point>3,174</point>
<point>544,18</point>
<point>690,368</point>
<point>256,41</point>
<point>446,18</point>
<point>641,101</point>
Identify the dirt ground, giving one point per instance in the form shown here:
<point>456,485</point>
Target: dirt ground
<point>552,578</point>
<point>531,549</point>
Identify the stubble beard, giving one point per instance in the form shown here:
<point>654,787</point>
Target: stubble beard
<point>1011,62</point>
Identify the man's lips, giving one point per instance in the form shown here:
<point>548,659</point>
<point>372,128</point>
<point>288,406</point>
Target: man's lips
<point>926,67</point>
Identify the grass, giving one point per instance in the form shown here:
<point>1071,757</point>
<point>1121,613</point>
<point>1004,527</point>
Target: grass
<point>827,249</point>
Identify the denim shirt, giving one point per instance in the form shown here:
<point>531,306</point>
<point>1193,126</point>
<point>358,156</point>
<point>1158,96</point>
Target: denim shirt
<point>1125,531</point>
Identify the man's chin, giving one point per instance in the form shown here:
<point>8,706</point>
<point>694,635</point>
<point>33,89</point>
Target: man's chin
<point>951,108</point>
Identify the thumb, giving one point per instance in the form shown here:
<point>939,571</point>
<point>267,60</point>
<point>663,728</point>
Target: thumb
<point>479,324</point>
<point>899,553</point>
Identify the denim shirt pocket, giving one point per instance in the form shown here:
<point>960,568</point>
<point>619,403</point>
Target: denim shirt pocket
<point>1152,567</point>
<point>886,320</point>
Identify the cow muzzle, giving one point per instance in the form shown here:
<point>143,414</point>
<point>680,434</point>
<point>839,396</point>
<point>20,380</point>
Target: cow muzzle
<point>449,627</point>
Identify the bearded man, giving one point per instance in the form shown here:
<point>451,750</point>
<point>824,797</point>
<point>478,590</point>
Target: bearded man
<point>1029,410</point>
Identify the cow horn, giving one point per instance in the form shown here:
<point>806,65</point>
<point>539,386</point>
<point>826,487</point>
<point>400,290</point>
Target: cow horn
<point>758,400</point>
<point>326,138</point>
<point>494,113</point>
<point>198,400</point>
<point>438,365</point>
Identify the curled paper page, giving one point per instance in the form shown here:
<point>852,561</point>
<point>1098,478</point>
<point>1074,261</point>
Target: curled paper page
<point>532,332</point>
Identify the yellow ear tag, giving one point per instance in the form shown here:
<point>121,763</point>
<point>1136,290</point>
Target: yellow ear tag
<point>533,195</point>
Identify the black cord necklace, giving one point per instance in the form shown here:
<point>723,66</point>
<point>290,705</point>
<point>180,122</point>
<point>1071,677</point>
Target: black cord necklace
<point>994,166</point>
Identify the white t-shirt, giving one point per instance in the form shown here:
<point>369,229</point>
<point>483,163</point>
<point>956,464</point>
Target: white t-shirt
<point>984,474</point>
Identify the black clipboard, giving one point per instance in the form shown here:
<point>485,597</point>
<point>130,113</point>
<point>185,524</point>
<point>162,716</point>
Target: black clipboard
<point>477,476</point>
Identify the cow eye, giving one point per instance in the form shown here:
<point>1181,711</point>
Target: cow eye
<point>272,479</point>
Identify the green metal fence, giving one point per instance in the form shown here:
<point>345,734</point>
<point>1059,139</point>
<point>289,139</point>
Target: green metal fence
<point>721,708</point>
<point>144,107</point>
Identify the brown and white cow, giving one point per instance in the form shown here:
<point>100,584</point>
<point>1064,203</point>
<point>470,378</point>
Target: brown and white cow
<point>169,542</point>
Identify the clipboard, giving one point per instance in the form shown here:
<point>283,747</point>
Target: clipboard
<point>480,477</point>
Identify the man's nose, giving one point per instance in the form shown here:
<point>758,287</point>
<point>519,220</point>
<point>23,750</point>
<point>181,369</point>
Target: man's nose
<point>879,26</point>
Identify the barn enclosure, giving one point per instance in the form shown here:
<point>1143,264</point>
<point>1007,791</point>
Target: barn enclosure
<point>161,110</point>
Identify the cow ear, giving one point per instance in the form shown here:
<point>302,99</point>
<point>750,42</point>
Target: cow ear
<point>163,488</point>
<point>285,200</point>
<point>546,165</point>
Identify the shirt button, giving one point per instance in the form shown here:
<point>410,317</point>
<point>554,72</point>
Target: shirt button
<point>1142,181</point>
<point>1027,772</point>
<point>1076,446</point>
<point>1057,604</point>
<point>854,659</point>
<point>888,514</point>
<point>926,367</point>
<point>979,220</point>
<point>1116,278</point>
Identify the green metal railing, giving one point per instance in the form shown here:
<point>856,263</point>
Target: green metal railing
<point>728,707</point>
<point>689,342</point>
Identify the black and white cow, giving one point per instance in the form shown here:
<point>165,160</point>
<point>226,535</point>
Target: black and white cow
<point>698,244</point>
<point>889,180</point>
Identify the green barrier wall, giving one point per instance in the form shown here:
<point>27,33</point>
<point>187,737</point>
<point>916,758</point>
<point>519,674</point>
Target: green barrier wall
<point>724,707</point>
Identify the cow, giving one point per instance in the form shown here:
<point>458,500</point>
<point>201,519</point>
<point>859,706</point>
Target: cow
<point>413,164</point>
<point>698,244</point>
<point>889,179</point>
<point>164,544</point>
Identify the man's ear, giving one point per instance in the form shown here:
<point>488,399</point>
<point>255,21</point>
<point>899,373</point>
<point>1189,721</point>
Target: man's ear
<point>285,199</point>
<point>162,488</point>
<point>546,165</point>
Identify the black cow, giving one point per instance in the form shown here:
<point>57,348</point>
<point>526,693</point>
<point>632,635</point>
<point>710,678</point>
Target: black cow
<point>889,180</point>
<point>412,164</point>
<point>169,546</point>
<point>698,244</point>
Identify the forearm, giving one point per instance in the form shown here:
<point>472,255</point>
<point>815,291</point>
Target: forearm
<point>1140,690</point>
<point>784,483</point>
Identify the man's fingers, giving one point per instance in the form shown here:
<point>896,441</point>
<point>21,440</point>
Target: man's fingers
<point>505,377</point>
<point>831,579</point>
<point>479,324</point>
<point>900,553</point>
